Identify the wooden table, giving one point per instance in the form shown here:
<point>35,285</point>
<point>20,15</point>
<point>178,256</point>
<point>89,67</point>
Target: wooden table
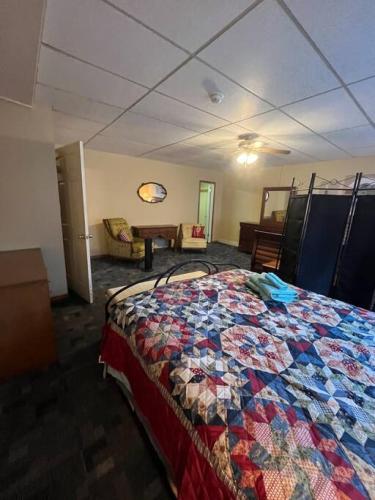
<point>166,231</point>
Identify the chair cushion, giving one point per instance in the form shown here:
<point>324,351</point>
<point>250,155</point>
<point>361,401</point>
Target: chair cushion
<point>279,215</point>
<point>125,235</point>
<point>187,230</point>
<point>194,243</point>
<point>138,246</point>
<point>198,231</point>
<point>116,224</point>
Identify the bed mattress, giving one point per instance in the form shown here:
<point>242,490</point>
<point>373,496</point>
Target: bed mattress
<point>251,399</point>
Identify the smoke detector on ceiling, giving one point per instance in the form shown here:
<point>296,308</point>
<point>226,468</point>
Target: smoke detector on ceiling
<point>216,97</point>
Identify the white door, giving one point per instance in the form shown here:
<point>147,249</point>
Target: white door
<point>72,189</point>
<point>206,206</point>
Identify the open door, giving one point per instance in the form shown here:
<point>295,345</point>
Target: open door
<point>206,207</point>
<point>72,190</point>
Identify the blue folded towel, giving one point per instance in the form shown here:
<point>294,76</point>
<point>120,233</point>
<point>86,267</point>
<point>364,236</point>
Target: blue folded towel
<point>280,295</point>
<point>266,287</point>
<point>274,280</point>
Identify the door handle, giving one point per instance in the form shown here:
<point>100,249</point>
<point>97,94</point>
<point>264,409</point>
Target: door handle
<point>85,236</point>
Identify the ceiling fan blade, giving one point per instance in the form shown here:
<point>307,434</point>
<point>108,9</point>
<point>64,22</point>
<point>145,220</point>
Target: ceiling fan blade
<point>248,136</point>
<point>273,151</point>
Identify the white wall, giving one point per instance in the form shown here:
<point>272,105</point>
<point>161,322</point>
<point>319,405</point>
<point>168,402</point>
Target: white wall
<point>243,186</point>
<point>112,182</point>
<point>29,204</point>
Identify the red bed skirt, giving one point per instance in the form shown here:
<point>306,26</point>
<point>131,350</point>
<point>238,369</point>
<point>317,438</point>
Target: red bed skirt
<point>193,475</point>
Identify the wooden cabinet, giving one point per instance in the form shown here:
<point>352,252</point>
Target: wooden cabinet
<point>26,334</point>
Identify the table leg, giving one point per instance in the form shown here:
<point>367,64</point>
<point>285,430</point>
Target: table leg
<point>148,254</point>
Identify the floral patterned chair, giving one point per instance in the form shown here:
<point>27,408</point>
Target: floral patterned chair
<point>133,249</point>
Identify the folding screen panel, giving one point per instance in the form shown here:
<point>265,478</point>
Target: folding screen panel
<point>320,249</point>
<point>291,237</point>
<point>356,276</point>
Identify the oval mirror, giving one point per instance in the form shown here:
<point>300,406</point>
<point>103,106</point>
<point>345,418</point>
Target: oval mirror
<point>152,192</point>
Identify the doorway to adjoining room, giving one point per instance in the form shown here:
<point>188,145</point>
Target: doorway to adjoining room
<point>206,206</point>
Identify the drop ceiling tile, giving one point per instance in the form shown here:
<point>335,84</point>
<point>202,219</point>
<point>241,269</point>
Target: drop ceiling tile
<point>118,146</point>
<point>20,27</point>
<point>62,120</point>
<point>221,138</point>
<point>189,23</point>
<point>174,112</point>
<point>353,138</point>
<point>76,105</point>
<point>99,34</point>
<point>334,110</point>
<point>294,157</point>
<point>147,130</point>
<point>313,145</point>
<point>195,81</point>
<point>267,54</point>
<point>273,124</point>
<point>365,93</point>
<point>211,163</point>
<point>179,153</point>
<point>369,151</point>
<point>63,72</point>
<point>344,31</point>
<point>186,154</point>
<point>65,136</point>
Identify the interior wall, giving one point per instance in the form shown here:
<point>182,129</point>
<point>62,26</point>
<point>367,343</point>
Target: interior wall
<point>29,204</point>
<point>243,187</point>
<point>112,181</point>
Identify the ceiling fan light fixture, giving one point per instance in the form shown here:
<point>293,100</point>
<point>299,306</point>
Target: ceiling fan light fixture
<point>247,158</point>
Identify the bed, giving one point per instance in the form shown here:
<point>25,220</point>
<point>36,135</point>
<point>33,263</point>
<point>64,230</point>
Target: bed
<point>244,398</point>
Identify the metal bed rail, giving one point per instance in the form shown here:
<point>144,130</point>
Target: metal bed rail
<point>211,268</point>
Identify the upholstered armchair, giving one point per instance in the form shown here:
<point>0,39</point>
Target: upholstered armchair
<point>131,250</point>
<point>187,241</point>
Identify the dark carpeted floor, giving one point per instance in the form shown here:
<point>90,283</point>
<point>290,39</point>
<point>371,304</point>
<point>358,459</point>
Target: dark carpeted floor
<point>65,433</point>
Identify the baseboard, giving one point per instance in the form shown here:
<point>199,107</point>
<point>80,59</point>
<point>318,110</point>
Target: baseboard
<point>58,298</point>
<point>99,256</point>
<point>229,242</point>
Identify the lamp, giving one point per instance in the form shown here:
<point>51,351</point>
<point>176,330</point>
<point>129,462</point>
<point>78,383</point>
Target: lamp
<point>247,158</point>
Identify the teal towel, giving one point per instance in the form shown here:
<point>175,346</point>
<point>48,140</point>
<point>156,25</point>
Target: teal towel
<point>274,280</point>
<point>253,287</point>
<point>261,285</point>
<point>280,295</point>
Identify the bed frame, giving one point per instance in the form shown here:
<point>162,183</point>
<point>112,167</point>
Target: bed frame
<point>211,268</point>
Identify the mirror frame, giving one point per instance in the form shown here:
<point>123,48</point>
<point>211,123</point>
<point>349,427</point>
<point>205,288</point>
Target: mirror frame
<point>265,221</point>
<point>157,184</point>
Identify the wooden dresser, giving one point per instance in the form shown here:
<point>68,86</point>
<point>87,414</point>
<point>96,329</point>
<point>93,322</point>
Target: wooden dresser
<point>26,334</point>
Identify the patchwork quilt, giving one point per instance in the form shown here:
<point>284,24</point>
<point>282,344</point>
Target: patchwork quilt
<point>280,398</point>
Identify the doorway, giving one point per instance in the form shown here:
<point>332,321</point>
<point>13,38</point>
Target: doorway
<point>206,206</point>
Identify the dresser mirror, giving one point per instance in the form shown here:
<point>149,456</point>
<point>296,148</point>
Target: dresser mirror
<point>274,205</point>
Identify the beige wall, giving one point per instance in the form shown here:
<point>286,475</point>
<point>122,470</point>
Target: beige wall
<point>29,204</point>
<point>112,183</point>
<point>243,187</point>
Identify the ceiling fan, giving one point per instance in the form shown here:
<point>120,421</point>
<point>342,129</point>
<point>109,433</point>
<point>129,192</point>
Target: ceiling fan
<point>249,146</point>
